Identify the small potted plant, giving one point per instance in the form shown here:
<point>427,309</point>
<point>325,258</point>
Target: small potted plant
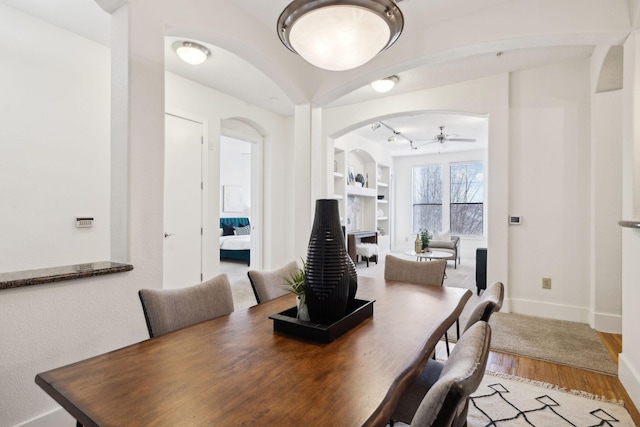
<point>425,238</point>
<point>295,284</point>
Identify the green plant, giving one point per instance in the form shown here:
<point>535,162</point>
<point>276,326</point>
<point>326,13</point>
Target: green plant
<point>295,281</point>
<point>425,237</point>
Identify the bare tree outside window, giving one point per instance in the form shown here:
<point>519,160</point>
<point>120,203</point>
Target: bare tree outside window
<point>427,198</point>
<point>467,196</point>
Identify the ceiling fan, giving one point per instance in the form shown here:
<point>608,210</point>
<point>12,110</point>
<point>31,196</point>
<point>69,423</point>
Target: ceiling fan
<point>442,138</point>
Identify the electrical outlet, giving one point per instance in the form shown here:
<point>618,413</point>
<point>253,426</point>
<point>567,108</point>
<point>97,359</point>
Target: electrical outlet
<point>546,283</point>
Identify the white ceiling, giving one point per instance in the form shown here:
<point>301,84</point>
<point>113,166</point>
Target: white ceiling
<point>424,20</point>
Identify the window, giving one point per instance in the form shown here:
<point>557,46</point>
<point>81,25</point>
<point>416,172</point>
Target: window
<point>427,198</point>
<point>467,196</point>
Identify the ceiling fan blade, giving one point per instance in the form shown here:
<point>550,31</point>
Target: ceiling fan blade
<point>425,141</point>
<point>461,139</point>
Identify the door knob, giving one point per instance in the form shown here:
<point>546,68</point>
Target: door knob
<point>167,235</point>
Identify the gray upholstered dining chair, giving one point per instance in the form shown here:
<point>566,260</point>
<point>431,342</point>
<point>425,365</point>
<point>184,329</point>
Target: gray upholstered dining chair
<point>440,394</point>
<point>420,272</point>
<point>167,310</point>
<point>268,285</point>
<point>490,302</point>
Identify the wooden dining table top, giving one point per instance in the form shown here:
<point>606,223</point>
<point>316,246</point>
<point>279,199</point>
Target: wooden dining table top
<point>236,370</point>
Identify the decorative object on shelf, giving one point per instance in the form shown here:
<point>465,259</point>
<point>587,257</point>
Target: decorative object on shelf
<point>295,284</point>
<point>327,279</point>
<point>380,196</point>
<point>425,237</point>
<point>366,180</point>
<point>350,174</point>
<point>380,213</point>
<point>360,179</point>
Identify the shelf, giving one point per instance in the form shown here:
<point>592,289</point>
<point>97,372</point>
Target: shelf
<point>383,201</point>
<point>338,175</point>
<point>382,218</point>
<point>360,191</point>
<point>337,196</point>
<point>382,184</point>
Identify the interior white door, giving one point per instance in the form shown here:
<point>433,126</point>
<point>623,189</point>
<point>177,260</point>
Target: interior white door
<point>182,203</point>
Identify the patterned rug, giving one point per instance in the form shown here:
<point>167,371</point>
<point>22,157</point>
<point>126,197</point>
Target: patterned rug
<point>503,400</point>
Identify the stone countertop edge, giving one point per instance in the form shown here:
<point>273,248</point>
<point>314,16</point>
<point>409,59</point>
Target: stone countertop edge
<point>629,224</point>
<point>41,276</point>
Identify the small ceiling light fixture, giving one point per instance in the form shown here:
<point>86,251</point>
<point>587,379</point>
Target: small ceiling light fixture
<point>385,85</point>
<point>339,35</point>
<point>191,53</point>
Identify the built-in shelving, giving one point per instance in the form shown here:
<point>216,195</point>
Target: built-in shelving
<point>339,183</point>
<point>382,206</point>
<point>366,207</point>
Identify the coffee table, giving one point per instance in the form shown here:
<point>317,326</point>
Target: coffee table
<point>430,255</point>
<point>422,256</point>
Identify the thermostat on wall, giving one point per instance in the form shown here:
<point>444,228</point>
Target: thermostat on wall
<point>84,222</point>
<point>515,220</point>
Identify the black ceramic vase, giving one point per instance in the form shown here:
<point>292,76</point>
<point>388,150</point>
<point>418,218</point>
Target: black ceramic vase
<point>353,282</point>
<point>326,282</point>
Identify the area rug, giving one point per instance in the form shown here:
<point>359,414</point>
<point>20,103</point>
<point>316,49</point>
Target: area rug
<point>557,341</point>
<point>503,400</point>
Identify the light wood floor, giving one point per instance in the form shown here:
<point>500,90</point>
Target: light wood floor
<point>570,378</point>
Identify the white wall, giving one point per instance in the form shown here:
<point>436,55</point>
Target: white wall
<point>550,189</point>
<point>47,326</point>
<point>404,237</point>
<point>629,359</point>
<point>483,96</point>
<point>186,97</point>
<point>235,170</point>
<point>54,145</point>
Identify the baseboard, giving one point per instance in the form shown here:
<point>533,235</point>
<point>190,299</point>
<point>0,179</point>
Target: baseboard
<point>56,418</point>
<point>599,321</point>
<point>607,323</point>
<point>630,379</point>
<point>551,311</point>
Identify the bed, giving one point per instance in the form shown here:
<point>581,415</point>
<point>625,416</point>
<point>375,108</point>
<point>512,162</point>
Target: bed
<point>235,238</point>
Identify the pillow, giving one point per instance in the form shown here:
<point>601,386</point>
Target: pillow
<point>221,231</point>
<point>227,230</point>
<point>242,231</point>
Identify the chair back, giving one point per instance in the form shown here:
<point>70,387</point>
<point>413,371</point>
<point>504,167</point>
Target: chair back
<point>420,272</point>
<point>167,310</point>
<point>490,302</point>
<point>268,285</point>
<point>447,401</point>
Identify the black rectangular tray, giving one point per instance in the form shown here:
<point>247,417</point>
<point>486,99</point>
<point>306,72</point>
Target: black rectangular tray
<point>286,321</point>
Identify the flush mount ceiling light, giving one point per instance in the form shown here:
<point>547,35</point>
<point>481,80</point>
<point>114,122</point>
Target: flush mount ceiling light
<point>339,35</point>
<point>191,53</point>
<point>385,85</point>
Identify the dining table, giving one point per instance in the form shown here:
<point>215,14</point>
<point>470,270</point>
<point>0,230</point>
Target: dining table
<point>236,370</point>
